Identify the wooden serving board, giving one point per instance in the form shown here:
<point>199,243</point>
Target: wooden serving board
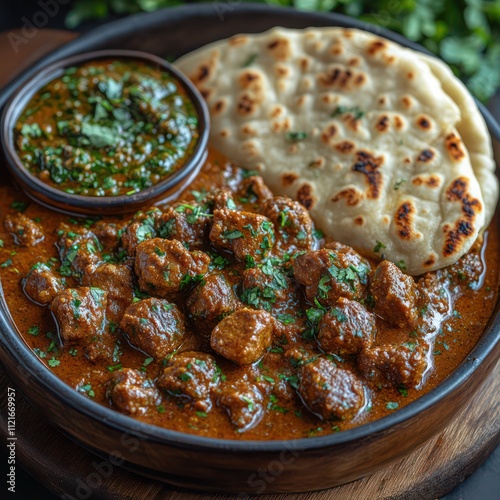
<point>67,469</point>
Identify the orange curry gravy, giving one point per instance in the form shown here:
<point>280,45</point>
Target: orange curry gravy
<point>471,305</point>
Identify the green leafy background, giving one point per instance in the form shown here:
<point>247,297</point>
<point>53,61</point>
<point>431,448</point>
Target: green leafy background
<point>465,33</point>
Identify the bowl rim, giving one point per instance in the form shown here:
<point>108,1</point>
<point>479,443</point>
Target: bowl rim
<point>22,354</point>
<point>25,92</point>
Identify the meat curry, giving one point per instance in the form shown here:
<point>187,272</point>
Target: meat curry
<point>228,314</point>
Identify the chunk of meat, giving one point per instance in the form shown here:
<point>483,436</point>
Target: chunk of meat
<point>108,233</point>
<point>25,231</point>
<point>254,190</point>
<point>293,226</point>
<point>394,295</point>
<point>244,336</point>
<point>79,250</point>
<point>165,267</point>
<point>432,299</point>
<point>131,392</point>
<point>269,284</point>
<point>222,198</point>
<point>399,365</point>
<point>142,228</point>
<point>41,285</point>
<point>80,315</point>
<point>191,376</point>
<point>187,225</point>
<point>328,275</point>
<point>155,326</point>
<point>330,392</point>
<point>118,281</point>
<point>210,301</point>
<point>244,404</point>
<point>347,328</point>
<point>243,233</point>
<point>467,269</point>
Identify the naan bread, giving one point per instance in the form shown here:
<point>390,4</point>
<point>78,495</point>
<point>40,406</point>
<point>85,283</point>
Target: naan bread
<point>473,131</point>
<point>358,129</point>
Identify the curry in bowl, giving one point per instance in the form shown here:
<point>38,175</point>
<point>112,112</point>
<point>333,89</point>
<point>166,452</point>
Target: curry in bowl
<point>107,127</point>
<point>229,314</point>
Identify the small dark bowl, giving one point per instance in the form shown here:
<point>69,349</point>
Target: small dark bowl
<point>222,464</point>
<point>54,198</point>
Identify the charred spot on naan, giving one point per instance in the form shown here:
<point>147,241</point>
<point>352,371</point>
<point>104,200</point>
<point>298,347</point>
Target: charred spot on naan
<point>426,155</point>
<point>399,122</point>
<point>336,48</point>
<point>276,111</point>
<point>305,196</point>
<point>205,70</point>
<point>317,163</point>
<point>305,63</point>
<point>350,195</point>
<point>247,104</point>
<point>424,123</point>
<point>328,133</point>
<point>238,40</point>
<point>202,74</point>
<point>431,181</point>
<point>351,121</point>
<point>340,78</point>
<point>219,107</point>
<point>369,165</point>
<point>205,93</point>
<point>251,79</point>
<point>288,178</point>
<point>329,98</point>
<point>454,147</point>
<point>248,131</point>
<point>280,49</point>
<point>431,260</point>
<point>375,47</point>
<point>383,123</point>
<point>403,219</point>
<point>345,147</point>
<point>463,229</point>
<point>407,101</point>
<point>302,100</point>
<point>282,71</point>
<point>283,125</point>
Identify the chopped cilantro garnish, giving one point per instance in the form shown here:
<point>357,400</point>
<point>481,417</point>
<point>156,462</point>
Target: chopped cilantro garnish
<point>295,136</point>
<point>248,401</point>
<point>34,330</point>
<point>232,234</point>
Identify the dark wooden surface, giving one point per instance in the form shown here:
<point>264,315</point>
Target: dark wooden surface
<point>64,467</point>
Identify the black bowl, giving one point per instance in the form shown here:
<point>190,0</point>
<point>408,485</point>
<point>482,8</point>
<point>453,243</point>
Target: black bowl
<point>71,203</point>
<point>230,465</point>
